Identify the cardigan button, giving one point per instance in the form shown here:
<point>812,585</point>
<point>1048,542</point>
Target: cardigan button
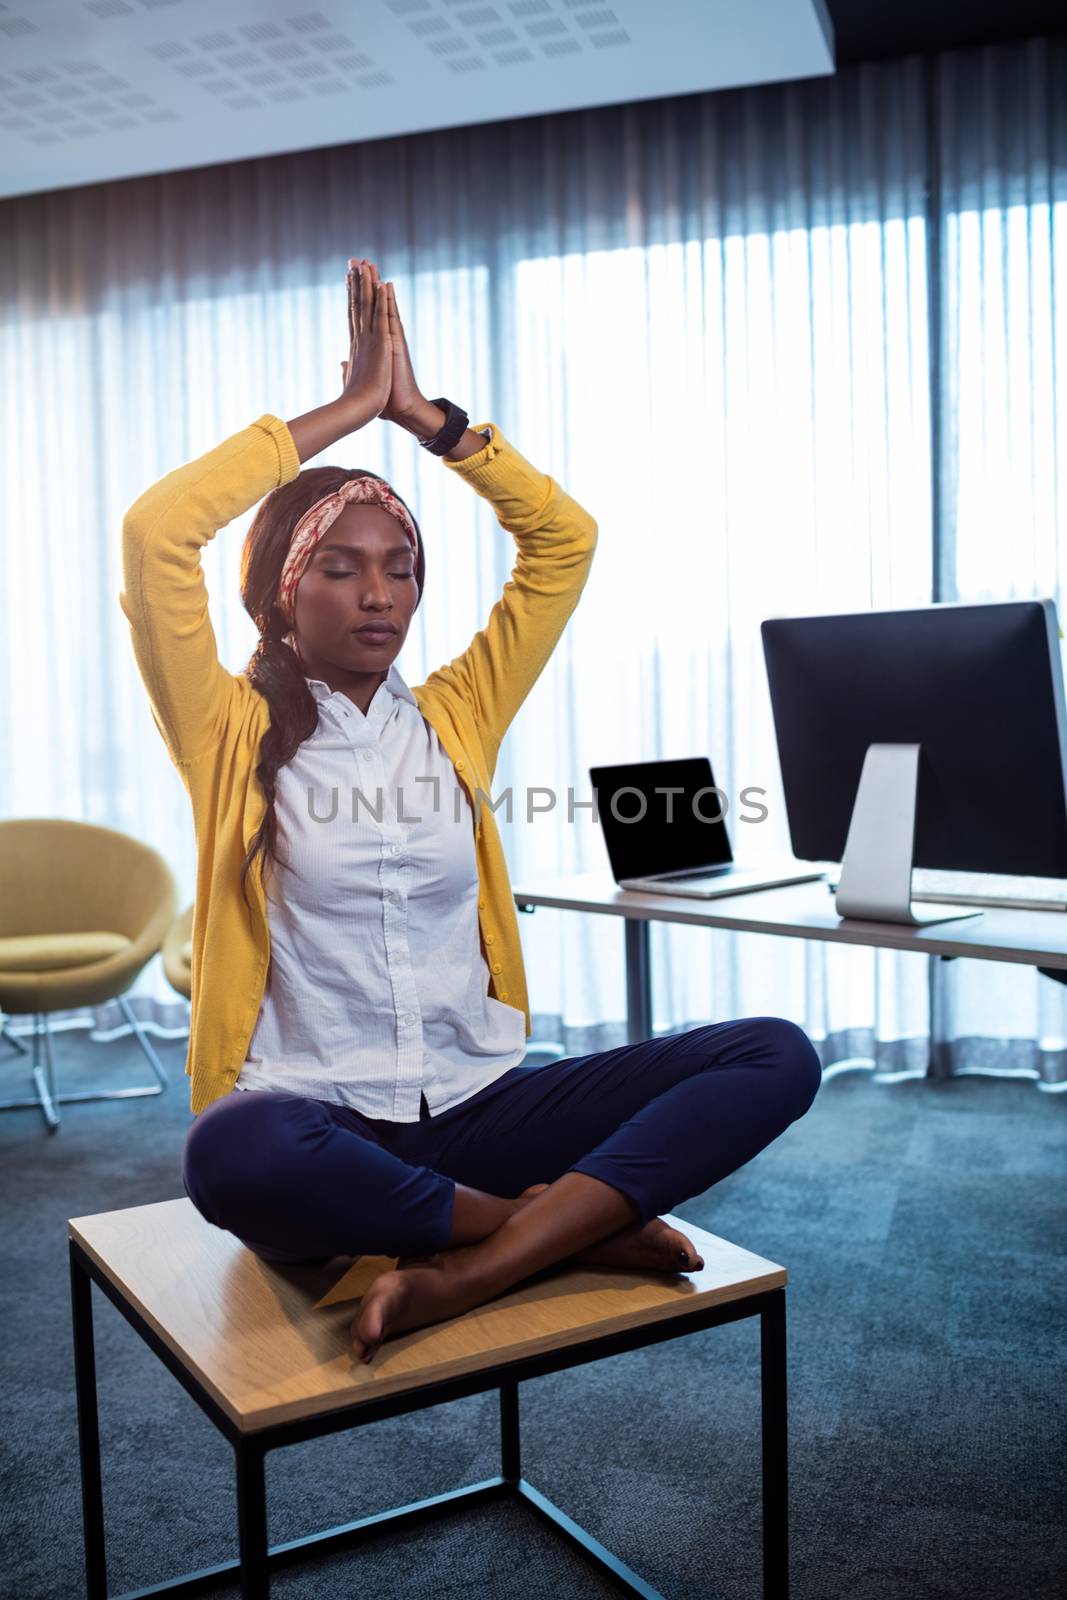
<point>459,766</point>
<point>503,994</point>
<point>481,905</point>
<point>497,967</point>
<point>490,938</point>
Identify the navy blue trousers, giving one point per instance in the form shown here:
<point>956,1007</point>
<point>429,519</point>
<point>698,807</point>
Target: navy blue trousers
<point>302,1180</point>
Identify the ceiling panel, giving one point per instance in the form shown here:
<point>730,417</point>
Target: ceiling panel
<point>95,90</point>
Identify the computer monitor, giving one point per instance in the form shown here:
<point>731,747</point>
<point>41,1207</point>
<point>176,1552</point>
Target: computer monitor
<point>952,715</point>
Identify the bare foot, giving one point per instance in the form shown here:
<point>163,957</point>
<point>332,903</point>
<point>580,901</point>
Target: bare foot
<point>431,1288</point>
<point>426,1289</point>
<point>644,1247</point>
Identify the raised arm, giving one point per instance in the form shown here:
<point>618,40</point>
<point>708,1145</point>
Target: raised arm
<point>556,539</point>
<point>164,597</point>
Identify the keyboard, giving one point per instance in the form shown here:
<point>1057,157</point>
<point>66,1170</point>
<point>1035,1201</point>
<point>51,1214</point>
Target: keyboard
<point>985,889</point>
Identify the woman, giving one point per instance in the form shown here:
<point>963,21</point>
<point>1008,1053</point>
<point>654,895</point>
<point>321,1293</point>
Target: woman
<point>359,1009</point>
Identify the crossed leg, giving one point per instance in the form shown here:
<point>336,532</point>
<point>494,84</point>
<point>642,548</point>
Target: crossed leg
<point>621,1135</point>
<point>723,1105</point>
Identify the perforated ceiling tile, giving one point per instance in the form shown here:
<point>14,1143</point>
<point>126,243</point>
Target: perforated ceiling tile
<point>17,27</point>
<point>328,42</point>
<point>314,22</point>
<point>99,89</point>
<point>256,31</point>
<point>109,8</point>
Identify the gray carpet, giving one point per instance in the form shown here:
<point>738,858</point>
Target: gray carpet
<point>924,1231</point>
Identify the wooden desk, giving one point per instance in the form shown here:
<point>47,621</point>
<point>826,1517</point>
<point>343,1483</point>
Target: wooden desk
<point>801,911</point>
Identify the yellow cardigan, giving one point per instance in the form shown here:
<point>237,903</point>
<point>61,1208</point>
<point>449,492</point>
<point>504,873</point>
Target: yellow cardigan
<point>212,720</point>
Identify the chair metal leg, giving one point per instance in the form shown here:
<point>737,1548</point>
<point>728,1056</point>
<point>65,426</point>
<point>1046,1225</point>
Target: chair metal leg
<point>773,1381</point>
<point>13,1039</point>
<point>43,1072</point>
<point>143,1040</point>
<point>45,1078</point>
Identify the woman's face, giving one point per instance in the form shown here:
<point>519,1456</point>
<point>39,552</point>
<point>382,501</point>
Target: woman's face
<point>362,572</point>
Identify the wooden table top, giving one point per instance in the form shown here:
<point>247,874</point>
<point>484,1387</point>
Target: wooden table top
<point>272,1343</point>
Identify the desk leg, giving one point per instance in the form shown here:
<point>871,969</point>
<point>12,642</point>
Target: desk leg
<point>252,1521</point>
<point>938,1062</point>
<point>773,1380</point>
<point>638,981</point>
<point>81,1292</point>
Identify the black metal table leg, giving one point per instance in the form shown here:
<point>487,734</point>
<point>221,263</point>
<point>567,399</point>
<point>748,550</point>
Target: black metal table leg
<point>252,1520</point>
<point>773,1383</point>
<point>81,1292</point>
<point>510,1458</point>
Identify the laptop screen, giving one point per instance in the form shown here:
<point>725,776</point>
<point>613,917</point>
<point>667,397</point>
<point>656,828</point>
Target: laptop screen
<point>641,840</point>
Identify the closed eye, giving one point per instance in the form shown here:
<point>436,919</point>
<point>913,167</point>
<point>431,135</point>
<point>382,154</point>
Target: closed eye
<point>351,574</point>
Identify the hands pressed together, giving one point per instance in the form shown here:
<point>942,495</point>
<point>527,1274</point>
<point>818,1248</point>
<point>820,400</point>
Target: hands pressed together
<point>378,376</point>
<point>378,380</point>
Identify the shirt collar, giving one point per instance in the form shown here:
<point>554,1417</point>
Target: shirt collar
<point>393,682</point>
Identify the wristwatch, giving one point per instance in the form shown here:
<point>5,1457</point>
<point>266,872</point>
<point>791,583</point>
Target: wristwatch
<point>455,426</point>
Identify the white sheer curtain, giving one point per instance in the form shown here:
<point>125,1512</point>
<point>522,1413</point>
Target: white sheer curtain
<point>1000,176</point>
<point>709,319</point>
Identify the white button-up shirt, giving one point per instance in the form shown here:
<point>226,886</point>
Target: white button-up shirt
<point>377,990</point>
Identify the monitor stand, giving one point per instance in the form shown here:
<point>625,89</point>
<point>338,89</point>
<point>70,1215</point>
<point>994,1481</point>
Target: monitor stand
<point>875,881</point>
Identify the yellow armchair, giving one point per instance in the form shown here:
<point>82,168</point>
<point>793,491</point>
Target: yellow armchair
<point>83,909</point>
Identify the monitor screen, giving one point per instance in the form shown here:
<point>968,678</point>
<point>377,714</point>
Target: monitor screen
<point>978,687</point>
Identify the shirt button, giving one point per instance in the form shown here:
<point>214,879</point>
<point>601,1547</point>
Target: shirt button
<point>368,755</point>
<point>407,1019</point>
<point>497,967</point>
<point>394,849</point>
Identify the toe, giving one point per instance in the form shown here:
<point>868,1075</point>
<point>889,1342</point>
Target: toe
<point>687,1258</point>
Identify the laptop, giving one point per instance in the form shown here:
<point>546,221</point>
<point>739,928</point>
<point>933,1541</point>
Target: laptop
<point>684,849</point>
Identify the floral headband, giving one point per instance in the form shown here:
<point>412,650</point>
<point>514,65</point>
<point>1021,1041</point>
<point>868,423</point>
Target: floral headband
<point>314,523</point>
